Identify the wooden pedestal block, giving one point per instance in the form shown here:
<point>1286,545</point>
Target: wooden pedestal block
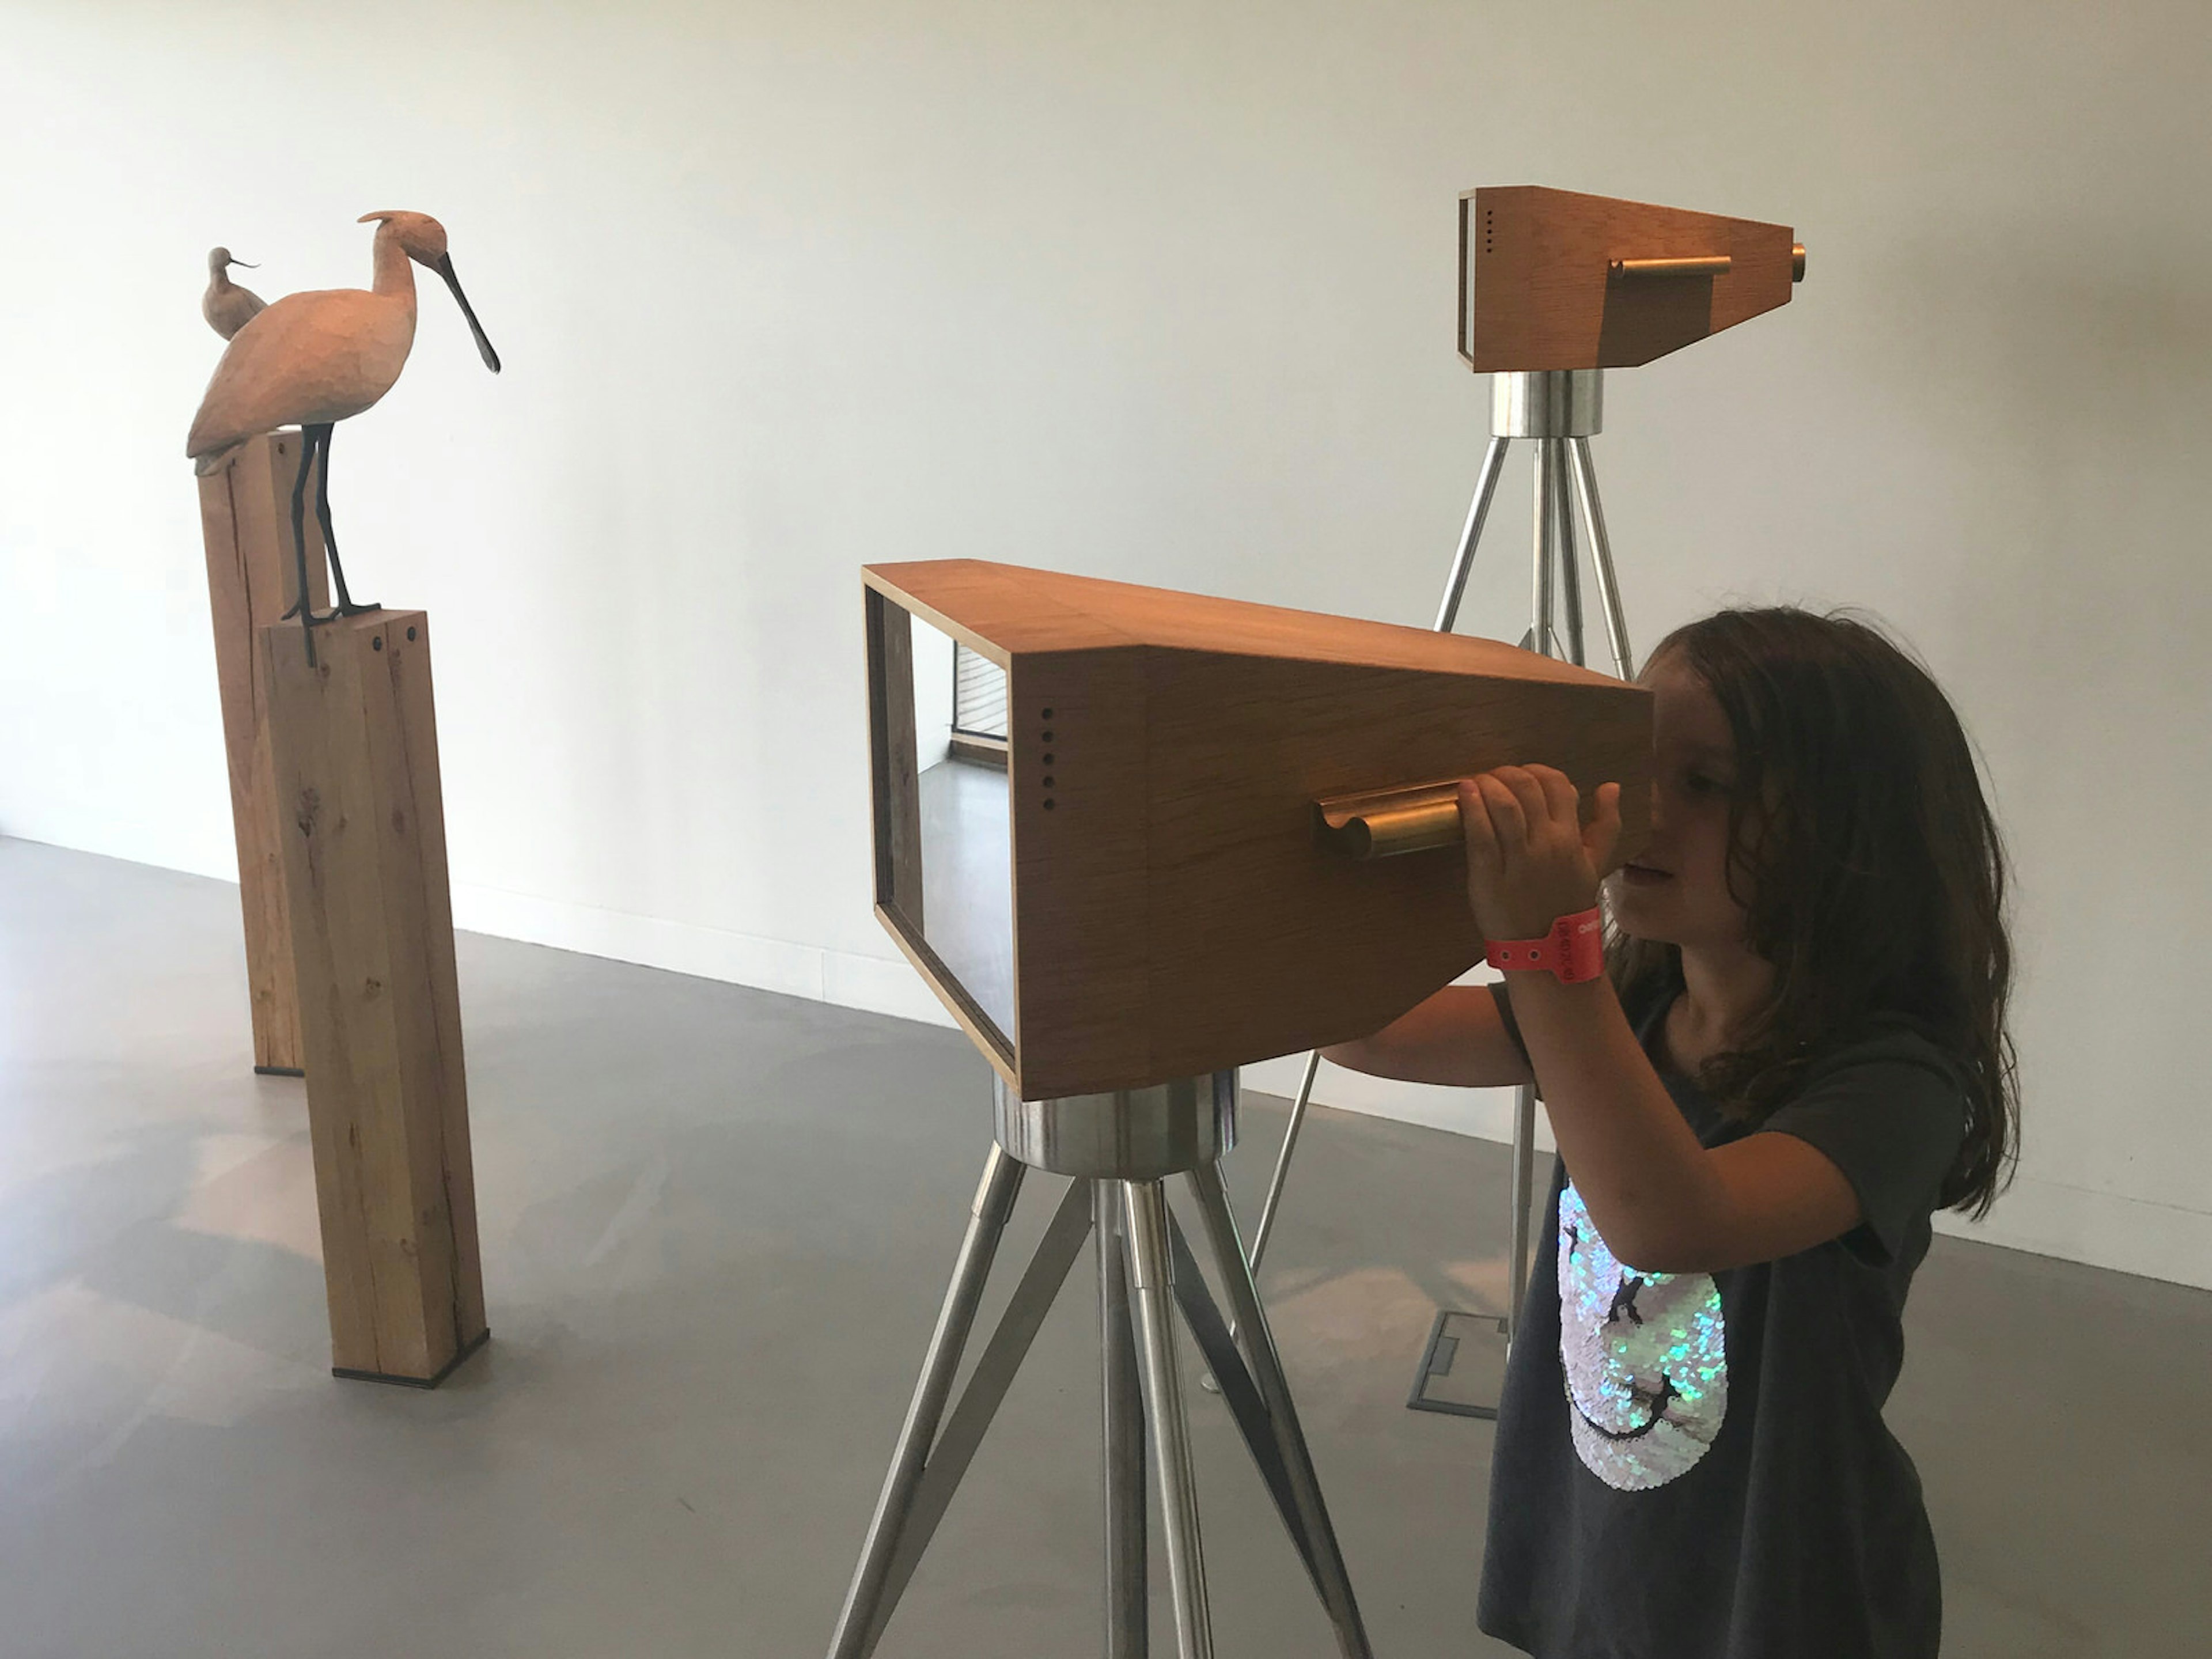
<point>245,517</point>
<point>363,837</point>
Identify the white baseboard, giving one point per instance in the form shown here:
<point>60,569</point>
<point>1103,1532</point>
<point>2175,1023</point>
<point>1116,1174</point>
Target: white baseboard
<point>2102,1230</point>
<point>2039,1215</point>
<point>878,985</point>
<point>1486,1113</point>
<point>2047,1218</point>
<point>2036,1214</point>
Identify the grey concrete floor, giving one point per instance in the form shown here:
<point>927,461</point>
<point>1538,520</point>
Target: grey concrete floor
<point>716,1227</point>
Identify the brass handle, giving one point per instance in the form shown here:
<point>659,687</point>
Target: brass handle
<point>1385,823</point>
<point>1703,264</point>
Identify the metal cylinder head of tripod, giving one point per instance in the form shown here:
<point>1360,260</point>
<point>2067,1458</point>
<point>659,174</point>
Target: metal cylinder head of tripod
<point>1124,1134</point>
<point>1558,403</point>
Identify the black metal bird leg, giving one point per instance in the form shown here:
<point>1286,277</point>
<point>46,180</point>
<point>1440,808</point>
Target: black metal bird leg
<point>300,529</point>
<point>301,607</point>
<point>346,605</point>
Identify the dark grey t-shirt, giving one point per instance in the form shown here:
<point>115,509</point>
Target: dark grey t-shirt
<point>1693,1466</point>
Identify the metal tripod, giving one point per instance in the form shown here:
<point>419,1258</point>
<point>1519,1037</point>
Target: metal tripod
<point>1120,1147</point>
<point>1558,409</point>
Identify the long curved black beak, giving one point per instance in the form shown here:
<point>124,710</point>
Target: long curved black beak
<point>484,346</point>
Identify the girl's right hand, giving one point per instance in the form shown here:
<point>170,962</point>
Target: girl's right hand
<point>1529,860</point>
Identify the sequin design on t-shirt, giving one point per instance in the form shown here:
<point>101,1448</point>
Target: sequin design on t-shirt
<point>1645,1357</point>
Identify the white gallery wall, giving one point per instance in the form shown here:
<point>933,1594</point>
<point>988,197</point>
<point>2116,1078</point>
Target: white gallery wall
<point>1157,292</point>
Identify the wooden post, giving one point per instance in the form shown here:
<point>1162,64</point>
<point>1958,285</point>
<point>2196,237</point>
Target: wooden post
<point>246,518</point>
<point>363,837</point>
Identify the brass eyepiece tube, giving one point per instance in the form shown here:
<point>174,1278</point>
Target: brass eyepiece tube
<point>1387,822</point>
<point>1703,264</point>
<point>1797,262</point>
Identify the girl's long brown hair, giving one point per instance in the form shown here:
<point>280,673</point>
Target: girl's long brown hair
<point>1868,863</point>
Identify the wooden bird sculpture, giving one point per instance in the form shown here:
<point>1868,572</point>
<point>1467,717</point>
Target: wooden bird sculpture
<point>315,359</point>
<point>227,306</point>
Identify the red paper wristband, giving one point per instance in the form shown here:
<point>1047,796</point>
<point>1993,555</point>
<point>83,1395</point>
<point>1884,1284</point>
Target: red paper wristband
<point>1574,950</point>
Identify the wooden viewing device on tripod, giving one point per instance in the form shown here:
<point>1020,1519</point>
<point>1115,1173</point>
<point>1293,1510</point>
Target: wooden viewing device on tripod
<point>1224,831</point>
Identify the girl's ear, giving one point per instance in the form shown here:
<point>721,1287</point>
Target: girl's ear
<point>1762,816</point>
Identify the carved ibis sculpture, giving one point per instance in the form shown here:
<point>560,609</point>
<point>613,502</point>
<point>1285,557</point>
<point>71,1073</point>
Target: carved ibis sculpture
<point>315,359</point>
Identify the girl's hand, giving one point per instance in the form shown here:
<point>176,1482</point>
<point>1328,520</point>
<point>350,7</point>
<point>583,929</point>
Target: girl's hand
<point>1530,860</point>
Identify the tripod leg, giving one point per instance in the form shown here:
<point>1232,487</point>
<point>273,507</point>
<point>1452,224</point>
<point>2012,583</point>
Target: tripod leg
<point>1282,1172</point>
<point>1541,639</point>
<point>1616,624</point>
<point>1127,1628</point>
<point>1470,535</point>
<point>1571,570</point>
<point>1283,1163</point>
<point>1551,507</point>
<point>992,1374</point>
<point>1486,486</point>
<point>1145,1210</point>
<point>994,1202</point>
<point>1275,1391</point>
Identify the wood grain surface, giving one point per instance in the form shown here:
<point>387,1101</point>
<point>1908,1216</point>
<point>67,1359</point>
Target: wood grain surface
<point>245,509</point>
<point>355,744</point>
<point>1177,908</point>
<point>1536,263</point>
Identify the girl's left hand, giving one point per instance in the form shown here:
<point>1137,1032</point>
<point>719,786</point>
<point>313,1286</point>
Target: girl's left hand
<point>1530,860</point>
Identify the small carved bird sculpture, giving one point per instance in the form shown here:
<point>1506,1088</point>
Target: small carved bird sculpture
<point>316,358</point>
<point>227,306</point>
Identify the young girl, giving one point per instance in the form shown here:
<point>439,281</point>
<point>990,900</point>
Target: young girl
<point>1795,1055</point>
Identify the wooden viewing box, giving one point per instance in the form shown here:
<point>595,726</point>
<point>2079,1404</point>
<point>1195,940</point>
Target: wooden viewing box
<point>1173,897</point>
<point>1550,279</point>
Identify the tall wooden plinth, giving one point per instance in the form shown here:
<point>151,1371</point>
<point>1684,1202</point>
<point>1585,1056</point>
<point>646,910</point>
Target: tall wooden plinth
<point>355,745</point>
<point>246,518</point>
